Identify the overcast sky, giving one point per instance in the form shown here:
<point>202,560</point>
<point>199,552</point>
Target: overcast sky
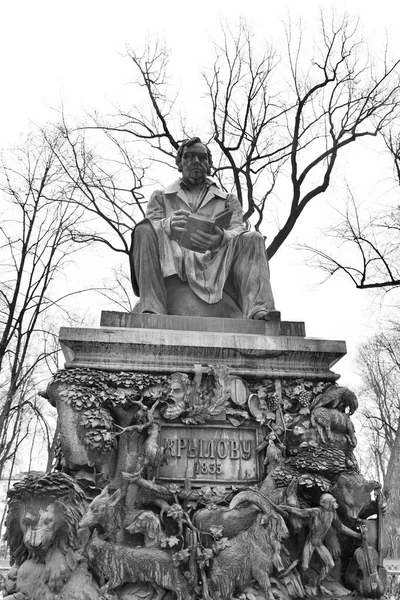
<point>71,52</point>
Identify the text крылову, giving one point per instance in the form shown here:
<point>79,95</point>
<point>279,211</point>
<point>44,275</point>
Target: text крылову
<point>212,449</point>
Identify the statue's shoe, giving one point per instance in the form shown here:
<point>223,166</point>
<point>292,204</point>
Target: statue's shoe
<point>267,315</point>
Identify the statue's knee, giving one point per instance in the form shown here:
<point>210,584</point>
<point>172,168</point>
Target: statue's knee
<point>252,237</point>
<point>144,232</point>
<point>144,229</point>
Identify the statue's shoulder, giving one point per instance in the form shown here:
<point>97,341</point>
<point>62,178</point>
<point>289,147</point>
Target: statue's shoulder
<point>156,194</point>
<point>172,188</point>
<point>214,188</point>
<point>156,199</point>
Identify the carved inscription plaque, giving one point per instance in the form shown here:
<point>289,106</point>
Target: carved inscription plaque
<point>209,454</point>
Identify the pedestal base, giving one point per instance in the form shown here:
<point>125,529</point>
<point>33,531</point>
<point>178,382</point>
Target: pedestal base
<point>187,433</point>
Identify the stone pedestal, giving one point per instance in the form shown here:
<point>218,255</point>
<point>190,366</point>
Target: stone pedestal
<point>218,382</point>
<point>187,432</point>
<point>239,352</point>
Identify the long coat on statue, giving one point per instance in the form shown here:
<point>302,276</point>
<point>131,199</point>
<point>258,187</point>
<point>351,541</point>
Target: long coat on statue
<point>205,273</point>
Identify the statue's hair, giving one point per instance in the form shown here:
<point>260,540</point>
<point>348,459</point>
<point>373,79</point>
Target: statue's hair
<point>53,488</point>
<point>181,378</point>
<point>327,497</point>
<point>187,144</point>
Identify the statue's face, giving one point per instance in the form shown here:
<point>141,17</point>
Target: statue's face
<point>40,522</point>
<point>329,502</point>
<point>195,164</point>
<point>177,392</point>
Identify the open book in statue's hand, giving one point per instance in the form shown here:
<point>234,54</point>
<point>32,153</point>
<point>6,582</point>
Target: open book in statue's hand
<point>198,222</point>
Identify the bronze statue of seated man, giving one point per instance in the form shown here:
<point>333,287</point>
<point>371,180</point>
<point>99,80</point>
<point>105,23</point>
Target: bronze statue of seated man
<point>227,275</point>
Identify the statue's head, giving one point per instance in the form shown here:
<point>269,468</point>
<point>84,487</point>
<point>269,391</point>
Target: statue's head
<point>179,387</point>
<point>43,512</point>
<point>194,161</point>
<point>178,397</point>
<point>328,501</point>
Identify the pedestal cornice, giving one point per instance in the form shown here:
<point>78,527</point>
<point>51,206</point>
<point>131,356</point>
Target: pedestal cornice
<point>168,350</point>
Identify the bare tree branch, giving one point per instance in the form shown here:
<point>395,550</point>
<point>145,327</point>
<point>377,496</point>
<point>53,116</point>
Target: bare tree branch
<point>35,245</point>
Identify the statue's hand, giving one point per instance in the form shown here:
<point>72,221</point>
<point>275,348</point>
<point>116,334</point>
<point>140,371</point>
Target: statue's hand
<point>207,241</point>
<point>178,220</point>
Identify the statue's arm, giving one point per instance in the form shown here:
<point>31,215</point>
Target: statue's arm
<point>337,523</point>
<point>236,227</point>
<point>157,214</point>
<point>298,512</point>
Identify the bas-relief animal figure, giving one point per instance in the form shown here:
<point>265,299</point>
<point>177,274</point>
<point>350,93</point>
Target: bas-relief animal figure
<point>252,554</point>
<point>111,517</point>
<point>327,420</point>
<point>102,514</point>
<point>255,531</point>
<point>353,494</point>
<point>146,523</point>
<point>338,397</point>
<point>238,518</point>
<point>119,564</point>
<point>42,522</point>
<point>256,535</point>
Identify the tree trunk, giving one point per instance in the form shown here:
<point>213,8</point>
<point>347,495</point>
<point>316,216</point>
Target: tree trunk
<point>392,488</point>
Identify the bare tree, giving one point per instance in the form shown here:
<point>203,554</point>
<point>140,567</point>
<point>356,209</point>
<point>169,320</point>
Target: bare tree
<point>117,289</point>
<point>368,241</point>
<point>107,190</point>
<point>279,124</point>
<point>35,245</point>
<point>367,247</point>
<point>379,364</point>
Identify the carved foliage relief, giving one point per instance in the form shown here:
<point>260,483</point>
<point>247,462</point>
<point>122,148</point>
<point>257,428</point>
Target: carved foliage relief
<point>187,474</point>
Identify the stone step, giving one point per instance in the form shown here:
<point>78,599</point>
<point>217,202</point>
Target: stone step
<point>211,324</point>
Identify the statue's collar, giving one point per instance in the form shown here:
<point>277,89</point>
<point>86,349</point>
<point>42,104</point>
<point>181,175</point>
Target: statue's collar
<point>176,187</point>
